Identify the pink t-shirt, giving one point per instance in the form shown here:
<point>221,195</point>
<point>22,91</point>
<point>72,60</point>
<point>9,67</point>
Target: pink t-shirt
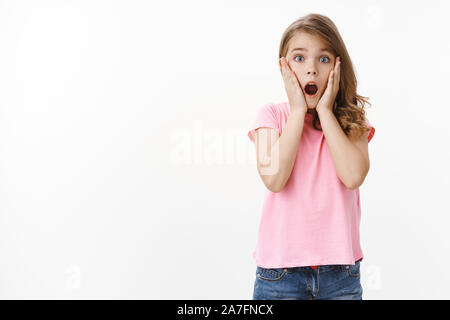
<point>315,219</point>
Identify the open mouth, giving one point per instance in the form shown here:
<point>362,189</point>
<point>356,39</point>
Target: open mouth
<point>311,89</point>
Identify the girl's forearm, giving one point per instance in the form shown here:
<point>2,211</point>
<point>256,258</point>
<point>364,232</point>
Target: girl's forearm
<point>286,149</point>
<point>348,160</point>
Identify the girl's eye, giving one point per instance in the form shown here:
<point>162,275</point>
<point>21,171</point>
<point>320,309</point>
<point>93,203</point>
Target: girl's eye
<point>322,59</point>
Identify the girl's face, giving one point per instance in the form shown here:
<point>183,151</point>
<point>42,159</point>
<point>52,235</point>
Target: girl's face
<point>310,59</point>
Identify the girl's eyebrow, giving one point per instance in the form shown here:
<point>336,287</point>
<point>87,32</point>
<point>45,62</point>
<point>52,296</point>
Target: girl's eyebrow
<point>304,49</point>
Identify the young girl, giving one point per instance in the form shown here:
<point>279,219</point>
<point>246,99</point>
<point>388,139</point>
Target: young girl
<point>312,156</point>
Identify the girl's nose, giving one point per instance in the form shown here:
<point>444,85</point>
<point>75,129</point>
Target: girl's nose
<point>311,72</point>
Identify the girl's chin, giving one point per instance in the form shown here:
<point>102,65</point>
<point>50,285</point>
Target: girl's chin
<point>312,101</point>
<point>311,104</point>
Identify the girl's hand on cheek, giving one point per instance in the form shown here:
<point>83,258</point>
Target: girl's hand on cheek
<point>328,98</point>
<point>294,92</point>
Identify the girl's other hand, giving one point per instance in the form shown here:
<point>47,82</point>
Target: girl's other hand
<point>328,99</point>
<point>294,92</point>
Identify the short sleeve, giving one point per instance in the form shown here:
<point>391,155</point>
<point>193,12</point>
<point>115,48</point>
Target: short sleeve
<point>266,116</point>
<point>372,130</point>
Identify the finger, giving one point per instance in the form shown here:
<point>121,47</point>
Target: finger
<point>337,62</point>
<point>286,72</point>
<point>290,75</point>
<point>283,67</point>
<point>293,76</point>
<point>338,79</point>
<point>338,73</point>
<point>338,65</point>
<point>280,64</point>
<point>287,69</point>
<point>286,64</point>
<point>330,82</point>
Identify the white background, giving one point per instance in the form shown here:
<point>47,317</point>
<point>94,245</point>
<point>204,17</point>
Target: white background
<point>126,170</point>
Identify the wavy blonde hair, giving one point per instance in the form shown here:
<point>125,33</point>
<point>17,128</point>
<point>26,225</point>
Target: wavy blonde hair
<point>349,105</point>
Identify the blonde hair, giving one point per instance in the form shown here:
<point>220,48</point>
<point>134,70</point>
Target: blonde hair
<point>349,106</point>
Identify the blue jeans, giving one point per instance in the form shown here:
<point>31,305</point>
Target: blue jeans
<point>337,282</point>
